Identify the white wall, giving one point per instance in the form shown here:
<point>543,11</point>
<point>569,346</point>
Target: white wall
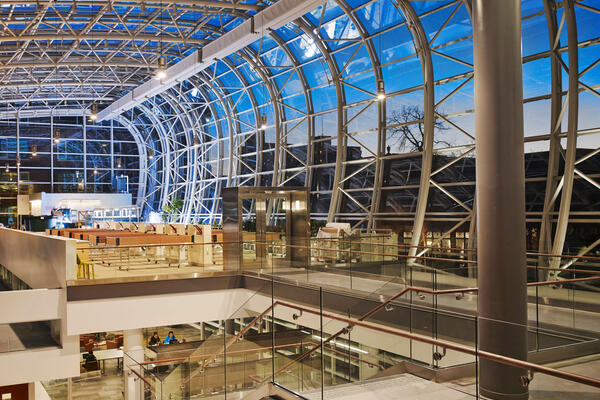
<point>88,316</point>
<point>31,305</point>
<point>40,261</point>
<point>44,263</point>
<point>38,365</point>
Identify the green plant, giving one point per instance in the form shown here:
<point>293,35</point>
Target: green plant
<point>172,210</point>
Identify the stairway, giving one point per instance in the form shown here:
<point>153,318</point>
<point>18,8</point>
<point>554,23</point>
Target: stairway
<point>405,386</point>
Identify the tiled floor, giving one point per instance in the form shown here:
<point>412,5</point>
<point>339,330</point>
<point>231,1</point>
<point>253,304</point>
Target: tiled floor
<point>108,387</point>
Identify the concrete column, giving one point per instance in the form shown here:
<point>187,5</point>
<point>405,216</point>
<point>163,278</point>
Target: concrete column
<point>500,194</point>
<point>133,347</point>
<point>202,331</point>
<point>229,325</point>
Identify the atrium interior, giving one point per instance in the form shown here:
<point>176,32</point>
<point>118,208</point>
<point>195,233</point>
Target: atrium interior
<point>299,199</point>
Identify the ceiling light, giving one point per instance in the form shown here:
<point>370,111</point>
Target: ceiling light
<point>95,171</point>
<point>18,161</point>
<point>7,169</point>
<point>263,121</point>
<point>56,136</point>
<point>161,73</point>
<point>196,141</point>
<point>94,112</point>
<point>33,151</point>
<point>150,154</point>
<point>118,163</point>
<point>380,90</point>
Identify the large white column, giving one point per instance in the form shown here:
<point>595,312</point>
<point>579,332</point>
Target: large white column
<point>133,347</point>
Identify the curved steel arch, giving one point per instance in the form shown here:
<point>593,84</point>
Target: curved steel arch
<point>224,97</point>
<point>424,53</point>
<point>381,114</point>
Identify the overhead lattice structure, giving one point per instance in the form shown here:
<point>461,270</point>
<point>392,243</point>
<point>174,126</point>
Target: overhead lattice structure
<point>368,103</point>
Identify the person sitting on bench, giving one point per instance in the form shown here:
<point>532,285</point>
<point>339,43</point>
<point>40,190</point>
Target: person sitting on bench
<point>154,340</point>
<point>170,338</point>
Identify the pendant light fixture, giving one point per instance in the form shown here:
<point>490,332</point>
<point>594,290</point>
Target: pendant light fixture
<point>94,112</point>
<point>380,82</point>
<point>56,136</point>
<point>119,162</point>
<point>161,72</point>
<point>196,141</point>
<point>150,153</point>
<point>7,169</point>
<point>263,121</point>
<point>33,151</point>
<point>18,162</point>
<point>380,90</point>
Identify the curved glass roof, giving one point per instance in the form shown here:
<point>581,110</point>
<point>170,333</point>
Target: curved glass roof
<point>337,100</point>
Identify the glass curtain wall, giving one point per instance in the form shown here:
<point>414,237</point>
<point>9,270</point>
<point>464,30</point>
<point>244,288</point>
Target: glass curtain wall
<point>65,154</point>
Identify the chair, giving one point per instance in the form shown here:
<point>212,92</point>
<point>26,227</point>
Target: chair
<point>83,267</point>
<point>111,344</point>
<point>92,366</point>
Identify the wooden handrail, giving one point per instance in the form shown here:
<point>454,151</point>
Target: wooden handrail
<point>325,249</point>
<point>254,350</point>
<point>454,346</point>
<point>397,332</point>
<point>595,258</point>
<point>144,379</point>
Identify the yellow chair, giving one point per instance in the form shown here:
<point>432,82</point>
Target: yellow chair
<point>83,267</point>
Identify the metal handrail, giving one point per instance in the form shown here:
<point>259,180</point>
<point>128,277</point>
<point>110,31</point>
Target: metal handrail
<point>253,350</point>
<point>450,345</point>
<point>337,250</point>
<point>454,346</point>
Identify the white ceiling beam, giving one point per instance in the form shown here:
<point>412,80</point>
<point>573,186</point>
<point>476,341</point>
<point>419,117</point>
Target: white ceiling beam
<point>272,17</point>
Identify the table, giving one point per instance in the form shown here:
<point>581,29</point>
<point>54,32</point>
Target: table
<point>109,354</point>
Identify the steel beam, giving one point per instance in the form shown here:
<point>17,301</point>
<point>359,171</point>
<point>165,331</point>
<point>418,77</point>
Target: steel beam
<point>545,239</point>
<point>571,150</point>
<point>241,36</point>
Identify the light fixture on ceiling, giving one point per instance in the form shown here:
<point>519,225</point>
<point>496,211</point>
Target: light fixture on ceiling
<point>118,162</point>
<point>18,162</point>
<point>95,171</point>
<point>380,90</point>
<point>263,121</point>
<point>56,136</point>
<point>150,154</point>
<point>94,112</point>
<point>7,169</point>
<point>161,72</point>
<point>34,151</point>
<point>196,140</point>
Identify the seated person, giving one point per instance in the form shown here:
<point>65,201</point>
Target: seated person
<point>89,357</point>
<point>154,340</point>
<point>170,338</point>
<point>91,363</point>
<point>90,345</point>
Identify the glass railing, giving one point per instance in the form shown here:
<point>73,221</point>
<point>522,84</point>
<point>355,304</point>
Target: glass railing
<point>421,321</point>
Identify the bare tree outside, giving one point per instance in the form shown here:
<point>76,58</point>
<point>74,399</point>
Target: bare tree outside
<point>408,133</point>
